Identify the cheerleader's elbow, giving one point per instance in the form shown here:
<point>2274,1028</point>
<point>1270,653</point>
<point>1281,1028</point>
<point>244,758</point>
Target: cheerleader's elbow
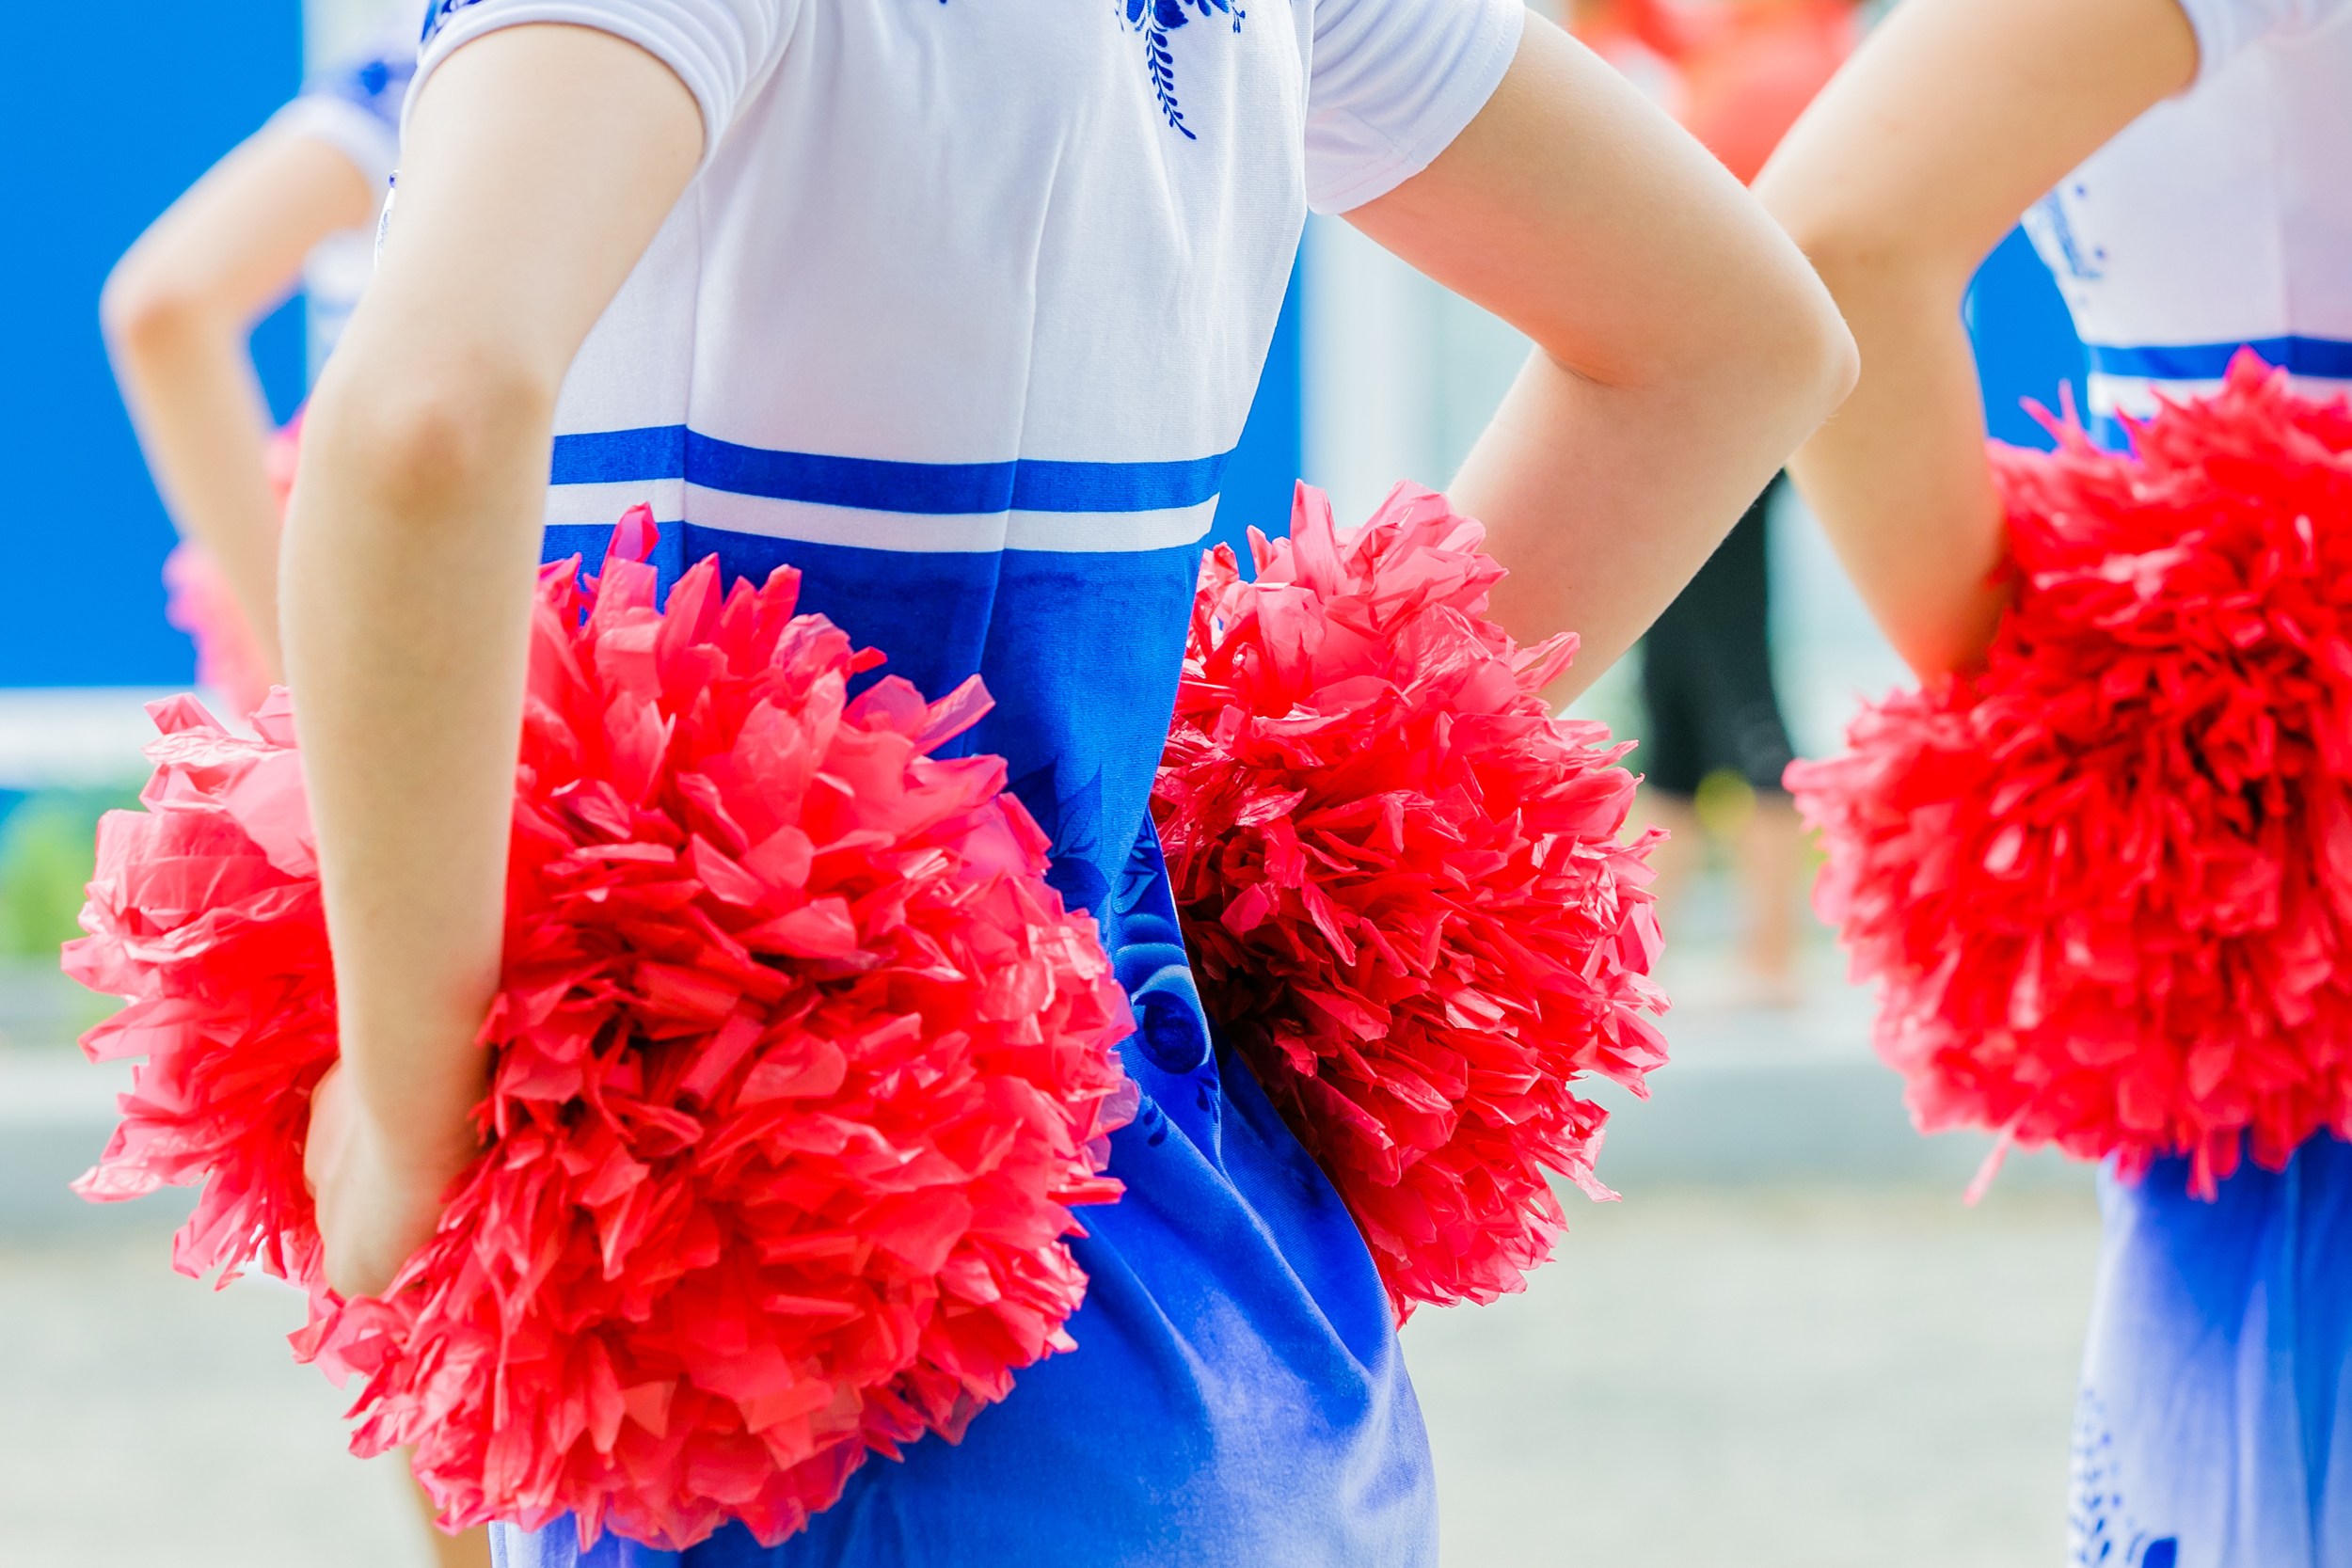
<point>150,315</point>
<point>1782,358</point>
<point>1820,360</point>
<point>427,441</point>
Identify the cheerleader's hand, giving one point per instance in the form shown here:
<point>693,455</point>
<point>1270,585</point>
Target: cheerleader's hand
<point>374,1213</point>
<point>412,556</point>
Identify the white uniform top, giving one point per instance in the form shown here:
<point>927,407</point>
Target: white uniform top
<point>354,107</point>
<point>2220,218</point>
<point>983,275</point>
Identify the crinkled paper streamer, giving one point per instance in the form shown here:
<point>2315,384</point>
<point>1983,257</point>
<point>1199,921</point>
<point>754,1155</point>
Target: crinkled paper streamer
<point>2104,881</point>
<point>1405,886</point>
<point>800,1068</point>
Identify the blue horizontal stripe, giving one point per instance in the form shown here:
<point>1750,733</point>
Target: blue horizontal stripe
<point>2324,358</point>
<point>620,456</point>
<point>1041,486</point>
<point>868,483</point>
<point>872,484</point>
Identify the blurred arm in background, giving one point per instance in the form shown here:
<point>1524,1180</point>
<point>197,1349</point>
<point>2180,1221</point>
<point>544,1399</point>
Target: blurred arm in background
<point>1682,346</point>
<point>177,312</point>
<point>1953,119</point>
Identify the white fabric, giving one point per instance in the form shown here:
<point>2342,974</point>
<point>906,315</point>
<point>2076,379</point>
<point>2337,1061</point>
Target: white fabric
<point>982,231</point>
<point>354,107</point>
<point>2221,217</point>
<point>2225,28</point>
<point>372,143</point>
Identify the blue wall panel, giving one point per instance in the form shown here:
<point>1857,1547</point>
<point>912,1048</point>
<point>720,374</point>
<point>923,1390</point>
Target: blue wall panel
<point>107,112</point>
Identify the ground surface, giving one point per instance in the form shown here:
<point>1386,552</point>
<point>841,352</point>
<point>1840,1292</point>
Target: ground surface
<point>1817,1375</point>
<point>153,1423</point>
<point>1790,1344</point>
<point>1806,1376</point>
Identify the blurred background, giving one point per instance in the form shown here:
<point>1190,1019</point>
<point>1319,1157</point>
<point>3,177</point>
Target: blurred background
<point>1790,1343</point>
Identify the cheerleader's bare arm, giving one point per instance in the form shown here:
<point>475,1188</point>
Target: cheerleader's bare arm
<point>1682,346</point>
<point>1953,119</point>
<point>537,166</point>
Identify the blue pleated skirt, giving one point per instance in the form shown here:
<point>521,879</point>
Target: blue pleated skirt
<point>1237,1398</point>
<point>2213,1427</point>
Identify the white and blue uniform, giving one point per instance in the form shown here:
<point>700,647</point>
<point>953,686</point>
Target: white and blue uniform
<point>2220,218</point>
<point>354,107</point>
<point>2214,1428</point>
<point>961,316</point>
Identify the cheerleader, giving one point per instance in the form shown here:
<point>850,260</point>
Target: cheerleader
<point>294,205</point>
<point>2179,165</point>
<point>958,309</point>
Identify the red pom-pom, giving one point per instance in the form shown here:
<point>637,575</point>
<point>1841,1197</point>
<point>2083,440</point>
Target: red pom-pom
<point>799,1067</point>
<point>2106,881</point>
<point>1403,882</point>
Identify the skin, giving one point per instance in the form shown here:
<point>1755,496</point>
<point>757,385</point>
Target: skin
<point>178,310</point>
<point>1953,119</point>
<point>1685,348</point>
<point>1682,347</point>
<point>1768,853</point>
<point>177,313</point>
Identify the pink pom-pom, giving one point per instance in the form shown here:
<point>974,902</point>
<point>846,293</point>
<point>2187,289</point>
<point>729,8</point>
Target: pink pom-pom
<point>798,1068</point>
<point>200,603</point>
<point>2105,880</point>
<point>1404,884</point>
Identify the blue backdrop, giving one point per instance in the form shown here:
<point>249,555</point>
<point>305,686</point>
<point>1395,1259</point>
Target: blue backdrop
<point>107,113</point>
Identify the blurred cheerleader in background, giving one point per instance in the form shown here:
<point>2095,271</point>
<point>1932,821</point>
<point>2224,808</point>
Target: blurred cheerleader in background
<point>295,205</point>
<point>2179,164</point>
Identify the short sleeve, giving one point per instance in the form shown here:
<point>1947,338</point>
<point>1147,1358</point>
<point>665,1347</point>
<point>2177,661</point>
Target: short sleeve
<point>354,107</point>
<point>1392,83</point>
<point>720,49</point>
<point>2226,27</point>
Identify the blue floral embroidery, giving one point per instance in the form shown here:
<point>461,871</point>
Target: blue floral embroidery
<point>1153,20</point>
<point>2100,1529</point>
<point>1075,822</point>
<point>1150,963</point>
<point>377,86</point>
<point>2050,229</point>
<point>438,13</point>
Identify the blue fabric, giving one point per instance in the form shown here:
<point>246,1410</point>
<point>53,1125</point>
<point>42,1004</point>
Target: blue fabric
<point>2219,1367</point>
<point>2219,1373</point>
<point>2323,357</point>
<point>1238,1399</point>
<point>378,83</point>
<point>928,489</point>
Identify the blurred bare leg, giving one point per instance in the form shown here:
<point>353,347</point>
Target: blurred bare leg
<point>1771,854</point>
<point>1676,859</point>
